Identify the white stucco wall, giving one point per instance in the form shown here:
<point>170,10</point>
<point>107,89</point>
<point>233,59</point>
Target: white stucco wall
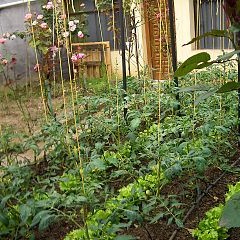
<point>184,17</point>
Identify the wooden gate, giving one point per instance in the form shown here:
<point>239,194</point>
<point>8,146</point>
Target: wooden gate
<point>158,38</point>
<point>97,61</point>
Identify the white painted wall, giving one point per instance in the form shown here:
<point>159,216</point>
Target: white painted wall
<point>184,17</point>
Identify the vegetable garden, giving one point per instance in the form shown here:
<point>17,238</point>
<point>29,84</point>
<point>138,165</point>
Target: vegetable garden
<point>117,158</point>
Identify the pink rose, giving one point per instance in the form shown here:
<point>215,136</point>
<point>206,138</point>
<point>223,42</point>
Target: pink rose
<point>80,55</point>
<point>2,40</point>
<point>28,16</point>
<point>49,5</point>
<point>39,17</point>
<point>54,49</point>
<point>74,58</point>
<point>43,25</point>
<point>80,34</point>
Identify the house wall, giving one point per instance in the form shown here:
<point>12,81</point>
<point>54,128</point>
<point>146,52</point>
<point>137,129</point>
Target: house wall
<point>184,16</point>
<point>12,19</point>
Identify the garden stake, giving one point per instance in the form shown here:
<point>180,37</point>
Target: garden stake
<point>173,45</point>
<point>167,39</point>
<point>160,42</point>
<point>238,69</point>
<point>61,71</point>
<point>76,151</point>
<point>136,42</point>
<point>116,78</point>
<point>38,68</point>
<point>124,74</point>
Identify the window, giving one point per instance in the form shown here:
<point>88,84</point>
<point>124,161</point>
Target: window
<point>208,15</point>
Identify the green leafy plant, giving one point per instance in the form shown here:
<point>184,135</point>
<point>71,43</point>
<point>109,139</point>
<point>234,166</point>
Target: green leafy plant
<point>219,219</point>
<point>208,228</point>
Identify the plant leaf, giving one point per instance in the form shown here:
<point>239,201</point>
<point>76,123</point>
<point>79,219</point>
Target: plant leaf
<point>197,61</point>
<point>46,221</point>
<point>204,96</point>
<point>194,88</point>
<point>213,33</point>
<point>133,215</point>
<point>25,212</point>
<point>37,218</point>
<point>231,212</point>
<point>229,86</point>
<point>226,56</point>
<point>135,123</point>
<point>4,219</point>
<point>157,217</point>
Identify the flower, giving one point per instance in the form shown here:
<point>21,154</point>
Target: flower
<point>53,49</point>
<point>43,25</point>
<point>39,17</point>
<point>4,61</point>
<point>34,23</point>
<point>80,34</point>
<point>74,58</point>
<point>71,23</point>
<point>2,40</point>
<point>13,37</point>
<point>49,5</point>
<point>28,16</point>
<point>76,21</point>
<point>73,28</point>
<point>6,35</point>
<point>36,67</point>
<point>65,34</point>
<point>80,55</point>
<point>77,56</point>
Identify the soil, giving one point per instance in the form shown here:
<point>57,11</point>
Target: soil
<point>56,232</point>
<point>160,230</point>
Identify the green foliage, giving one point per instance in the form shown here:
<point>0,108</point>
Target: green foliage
<point>208,228</point>
<point>124,164</point>
<point>197,61</point>
<point>216,222</point>
<point>231,211</point>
